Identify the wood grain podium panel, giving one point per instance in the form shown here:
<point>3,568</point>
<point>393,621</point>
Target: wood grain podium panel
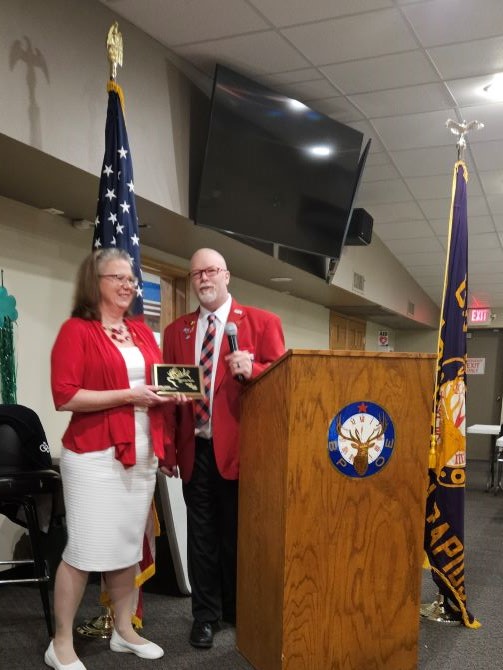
<point>329,566</point>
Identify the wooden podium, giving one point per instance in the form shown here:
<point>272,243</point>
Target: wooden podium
<point>329,566</point>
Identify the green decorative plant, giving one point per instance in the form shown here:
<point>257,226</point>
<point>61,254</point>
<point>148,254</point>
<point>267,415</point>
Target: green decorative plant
<point>8,316</point>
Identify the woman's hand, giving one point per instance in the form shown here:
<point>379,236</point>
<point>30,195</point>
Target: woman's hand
<point>169,470</point>
<point>145,395</point>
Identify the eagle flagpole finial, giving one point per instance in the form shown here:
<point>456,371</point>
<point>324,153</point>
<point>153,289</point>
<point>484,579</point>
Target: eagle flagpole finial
<point>461,129</point>
<point>114,49</point>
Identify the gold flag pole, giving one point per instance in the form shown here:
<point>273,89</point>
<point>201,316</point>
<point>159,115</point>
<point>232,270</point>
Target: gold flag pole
<point>101,626</point>
<point>437,610</point>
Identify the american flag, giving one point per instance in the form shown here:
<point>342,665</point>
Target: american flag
<point>116,223</point>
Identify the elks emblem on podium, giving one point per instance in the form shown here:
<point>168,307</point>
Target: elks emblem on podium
<point>361,437</point>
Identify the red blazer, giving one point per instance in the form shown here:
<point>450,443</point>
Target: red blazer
<point>84,357</point>
<point>260,333</point>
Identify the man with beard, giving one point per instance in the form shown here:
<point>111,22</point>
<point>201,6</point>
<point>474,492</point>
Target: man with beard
<point>207,432</point>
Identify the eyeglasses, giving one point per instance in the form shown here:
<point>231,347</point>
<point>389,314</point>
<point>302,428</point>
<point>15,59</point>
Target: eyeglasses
<point>123,280</point>
<point>212,271</point>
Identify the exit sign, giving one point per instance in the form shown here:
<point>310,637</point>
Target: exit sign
<point>479,315</point>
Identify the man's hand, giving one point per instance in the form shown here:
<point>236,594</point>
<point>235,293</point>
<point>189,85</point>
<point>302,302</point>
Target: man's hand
<point>240,363</point>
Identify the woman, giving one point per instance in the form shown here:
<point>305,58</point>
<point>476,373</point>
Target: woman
<point>101,363</point>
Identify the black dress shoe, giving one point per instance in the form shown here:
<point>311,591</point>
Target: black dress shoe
<point>201,635</point>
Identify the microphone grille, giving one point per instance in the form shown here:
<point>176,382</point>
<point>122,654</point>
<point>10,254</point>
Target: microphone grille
<point>230,328</point>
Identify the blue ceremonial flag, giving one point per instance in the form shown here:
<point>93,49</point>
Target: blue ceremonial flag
<point>444,528</point>
<point>116,223</point>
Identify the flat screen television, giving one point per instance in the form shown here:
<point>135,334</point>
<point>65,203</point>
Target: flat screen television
<point>276,171</point>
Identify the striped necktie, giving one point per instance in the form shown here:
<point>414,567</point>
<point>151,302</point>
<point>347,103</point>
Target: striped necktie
<point>202,407</point>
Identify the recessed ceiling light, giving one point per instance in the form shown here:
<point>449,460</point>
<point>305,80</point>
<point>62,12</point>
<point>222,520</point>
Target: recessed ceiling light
<point>280,279</point>
<point>494,90</point>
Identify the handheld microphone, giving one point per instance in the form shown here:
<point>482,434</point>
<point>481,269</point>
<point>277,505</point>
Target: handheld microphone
<point>231,330</point>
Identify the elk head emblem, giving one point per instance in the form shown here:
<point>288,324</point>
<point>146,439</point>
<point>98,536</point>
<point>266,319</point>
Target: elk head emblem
<point>362,446</point>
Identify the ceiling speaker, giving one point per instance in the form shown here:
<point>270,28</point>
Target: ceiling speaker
<point>360,228</point>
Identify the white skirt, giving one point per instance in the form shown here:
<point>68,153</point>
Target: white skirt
<point>106,504</point>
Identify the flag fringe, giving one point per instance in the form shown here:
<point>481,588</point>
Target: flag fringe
<point>464,613</point>
<point>114,86</point>
<point>144,575</point>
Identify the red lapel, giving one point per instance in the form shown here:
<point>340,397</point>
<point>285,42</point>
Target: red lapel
<point>188,337</point>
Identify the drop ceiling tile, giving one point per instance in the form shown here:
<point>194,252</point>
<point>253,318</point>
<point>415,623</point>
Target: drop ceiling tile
<point>403,230</point>
<point>477,206</point>
<point>495,203</point>
<point>310,90</point>
<point>395,212</point>
<point>477,257</point>
<point>406,100</point>
<point>492,182</point>
<point>470,90</point>
<point>416,244</point>
<point>414,130</point>
<point>484,241</point>
<point>487,155</point>
<point>337,108</point>
<point>483,266</point>
<point>488,278</point>
<point>384,191</point>
<point>377,158</point>
<point>438,186</point>
<point>476,225</point>
<point>345,113</point>
<point>491,115</point>
<point>182,21</point>
<point>291,76</point>
<point>426,162</point>
<point>468,20</point>
<point>259,53</point>
<point>436,209</point>
<point>470,59</point>
<point>382,72</point>
<point>300,11</point>
<point>379,172</point>
<point>336,40</point>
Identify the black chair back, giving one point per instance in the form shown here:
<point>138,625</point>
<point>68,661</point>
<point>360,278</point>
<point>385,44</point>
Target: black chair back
<point>27,449</point>
<point>13,457</point>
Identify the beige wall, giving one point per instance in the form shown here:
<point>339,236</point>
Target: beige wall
<point>387,283</point>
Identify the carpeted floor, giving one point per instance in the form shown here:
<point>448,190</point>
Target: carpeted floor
<point>23,636</point>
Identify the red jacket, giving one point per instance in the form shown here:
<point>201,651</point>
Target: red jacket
<point>84,357</point>
<point>260,333</point>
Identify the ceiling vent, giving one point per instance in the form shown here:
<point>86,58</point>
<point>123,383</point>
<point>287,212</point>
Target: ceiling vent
<point>410,308</point>
<point>358,282</point>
